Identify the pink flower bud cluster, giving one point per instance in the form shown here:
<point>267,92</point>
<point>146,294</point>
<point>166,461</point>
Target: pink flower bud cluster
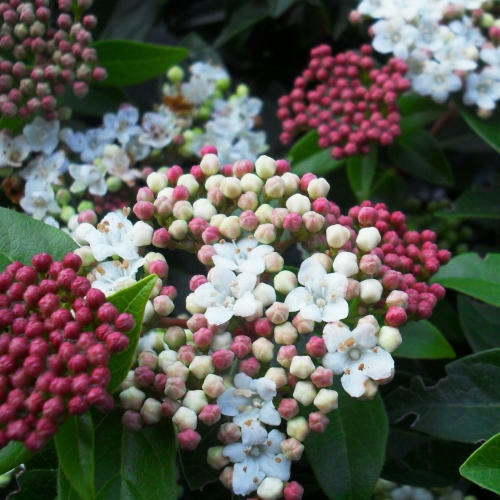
<point>332,97</point>
<point>57,336</point>
<point>39,60</point>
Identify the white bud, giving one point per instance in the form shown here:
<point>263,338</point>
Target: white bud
<point>397,298</point>
<point>195,400</point>
<point>337,236</point>
<point>324,260</point>
<point>183,210</point>
<point>217,219</point>
<point>389,338</point>
<point>274,262</point>
<point>252,182</point>
<point>285,282</point>
<point>318,188</point>
<point>215,458</point>
<point>368,238</point>
<point>270,489</point>
<point>371,320</point>
<point>166,358</point>
<point>177,369</point>
<point>297,427</point>
<point>203,209</point>
<point>149,312</point>
<point>327,400</point>
<point>178,230</point>
<point>82,231</point>
<point>201,366</point>
<point>370,291</point>
<point>263,349</point>
<point>185,419</point>
<point>167,192</point>
<point>213,385</point>
<point>156,182</point>
<point>285,334</point>
<point>263,213</point>
<point>151,411</point>
<point>192,306</point>
<point>214,181</point>
<point>85,253</point>
<point>132,398</point>
<point>346,263</point>
<point>274,187</point>
<point>265,293</point>
<point>302,366</point>
<point>292,183</point>
<point>298,203</point>
<point>265,167</point>
<point>304,393</point>
<point>265,234</point>
<point>230,227</point>
<point>221,341</point>
<point>190,182</point>
<point>231,187</point>
<point>210,164</point>
<point>277,375</point>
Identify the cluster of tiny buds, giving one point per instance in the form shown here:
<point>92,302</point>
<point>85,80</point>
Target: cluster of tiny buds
<point>61,56</point>
<point>331,97</point>
<point>57,336</point>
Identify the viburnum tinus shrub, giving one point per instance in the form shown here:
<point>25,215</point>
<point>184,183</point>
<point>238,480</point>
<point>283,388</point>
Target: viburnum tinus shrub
<point>57,336</point>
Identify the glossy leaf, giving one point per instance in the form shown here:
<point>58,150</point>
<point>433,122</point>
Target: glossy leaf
<point>306,156</point>
<point>476,203</point>
<point>64,488</point>
<point>134,465</point>
<point>419,460</point>
<point>348,457</point>
<point>75,449</point>
<point>361,172</point>
<point>483,466</point>
<point>422,340</point>
<point>417,112</point>
<point>12,455</point>
<point>13,124</point>
<point>128,62</point>
<point>474,276</point>
<point>464,406</point>
<point>98,101</point>
<point>420,155</point>
<point>22,237</point>
<point>480,322</point>
<point>487,128</point>
<point>279,7</point>
<point>129,300</point>
<point>5,260</point>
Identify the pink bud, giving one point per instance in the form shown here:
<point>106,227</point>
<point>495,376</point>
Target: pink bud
<point>241,346</point>
<point>250,367</point>
<point>197,225</point>
<point>288,408</point>
<point>395,316</point>
<point>229,433</point>
<point>248,220</point>
<point>263,327</point>
<point>318,422</point>
<point>293,491</point>
<point>210,414</point>
<point>316,347</point>
<point>223,359</point>
<point>203,338</point>
<point>161,238</point>
<point>210,235</point>
<point>196,281</point>
<point>292,222</point>
<point>285,355</point>
<point>188,439</point>
<point>186,354</point>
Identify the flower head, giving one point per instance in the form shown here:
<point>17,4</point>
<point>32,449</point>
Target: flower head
<point>244,255</point>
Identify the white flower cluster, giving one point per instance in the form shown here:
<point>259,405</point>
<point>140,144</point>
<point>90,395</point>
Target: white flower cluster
<point>445,46</point>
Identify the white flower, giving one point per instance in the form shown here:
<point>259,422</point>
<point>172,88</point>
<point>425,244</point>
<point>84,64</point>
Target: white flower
<point>457,53</point>
<point>250,400</point>
<point>42,135</point>
<point>226,295</point>
<point>159,129</point>
<point>483,89</point>
<point>246,255</point>
<point>96,140</point>
<point>322,296</point>
<point>437,80</point>
<point>491,56</point>
<point>39,199</point>
<point>13,150</point>
<point>431,35</point>
<point>88,176</point>
<point>112,276</point>
<point>112,237</point>
<point>117,163</point>
<point>208,72</point>
<point>46,169</point>
<point>393,35</point>
<point>254,463</point>
<point>136,150</point>
<point>76,141</point>
<point>123,124</point>
<point>410,493</point>
<point>356,355</point>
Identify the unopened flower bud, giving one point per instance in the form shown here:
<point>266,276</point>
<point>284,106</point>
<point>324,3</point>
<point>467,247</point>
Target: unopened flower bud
<point>370,264</point>
<point>231,187</point>
<point>277,375</point>
<point>229,433</point>
<point>304,392</point>
<point>263,350</point>
<point>215,458</point>
<point>265,167</point>
<point>271,488</point>
<point>322,377</point>
<point>288,408</point>
<point>265,293</point>
<point>297,428</point>
<point>285,334</point>
<point>286,354</point>
<point>132,398</point>
<point>397,298</point>
<point>298,203</point>
<point>210,165</point>
<point>274,262</point>
<point>185,418</point>
<point>263,213</point>
<point>201,366</point>
<point>251,182</point>
<point>326,400</point>
<point>315,347</point>
<point>292,449</point>
<point>226,477</point>
<point>318,422</point>
<point>151,411</point>
<point>292,183</point>
<point>318,188</point>
<point>277,313</point>
<point>389,338</point>
<point>368,238</point>
<point>188,439</point>
<point>195,400</point>
<point>302,366</point>
<point>313,221</point>
<point>370,291</point>
<point>274,187</point>
<point>285,282</point>
<point>230,227</point>
<point>178,230</point>
<point>346,263</point>
<point>190,182</point>
<point>371,320</point>
<point>303,325</point>
<point>213,386</point>
<point>203,209</point>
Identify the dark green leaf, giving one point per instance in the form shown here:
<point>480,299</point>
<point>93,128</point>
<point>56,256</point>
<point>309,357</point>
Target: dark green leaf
<point>12,455</point>
<point>420,460</point>
<point>483,466</point>
<point>22,237</point>
<point>75,450</point>
<point>361,172</point>
<point>474,276</point>
<point>422,340</point>
<point>244,17</point>
<point>98,101</point>
<point>487,128</point>
<point>306,156</point>
<point>417,111</point>
<point>36,483</point>
<point>348,457</point>
<point>128,62</point>
<point>13,124</point>
<point>64,488</point>
<point>420,155</point>
<point>279,7</point>
<point>445,319</point>
<point>129,300</point>
<point>199,49</point>
<point>464,406</point>
<point>477,202</point>
<point>194,464</point>
<point>134,465</point>
<point>4,261</point>
<point>390,188</point>
<point>481,324</point>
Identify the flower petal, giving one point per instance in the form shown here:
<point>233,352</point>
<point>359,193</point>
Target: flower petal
<point>247,476</point>
<point>335,310</point>
<point>335,361</point>
<point>218,315</point>
<point>244,307</point>
<point>354,383</point>
<point>298,298</point>
<point>235,452</point>
<point>311,312</point>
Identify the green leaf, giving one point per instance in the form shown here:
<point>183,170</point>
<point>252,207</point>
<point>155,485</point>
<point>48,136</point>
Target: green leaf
<point>75,450</point>
<point>477,202</point>
<point>420,460</point>
<point>134,465</point>
<point>445,319</point>
<point>348,457</point>
<point>4,261</point>
<point>13,124</point>
<point>12,455</point>
<point>361,172</point>
<point>247,15</point>
<point>483,466</point>
<point>129,300</point>
<point>306,156</point>
<point>422,340</point>
<point>470,274</point>
<point>279,7</point>
<point>487,128</point>
<point>128,62</point>
<point>464,406</point>
<point>98,101</point>
<point>22,237</point>
<point>480,322</point>
<point>419,154</point>
<point>417,111</point>
<point>64,488</point>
